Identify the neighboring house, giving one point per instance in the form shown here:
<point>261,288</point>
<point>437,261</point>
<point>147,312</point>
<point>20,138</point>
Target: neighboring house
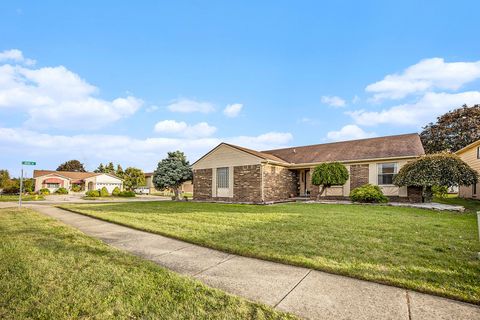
<point>53,180</point>
<point>471,155</point>
<point>150,188</point>
<point>236,174</point>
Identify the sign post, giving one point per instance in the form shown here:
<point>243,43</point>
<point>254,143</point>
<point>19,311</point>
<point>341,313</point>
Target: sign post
<point>26,163</point>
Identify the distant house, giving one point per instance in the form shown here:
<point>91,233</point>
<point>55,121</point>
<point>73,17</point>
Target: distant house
<point>471,155</point>
<point>237,174</point>
<point>53,180</point>
<point>149,188</point>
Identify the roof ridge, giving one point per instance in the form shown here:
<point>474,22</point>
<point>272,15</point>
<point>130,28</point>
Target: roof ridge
<point>343,141</point>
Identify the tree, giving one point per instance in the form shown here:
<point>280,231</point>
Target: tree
<point>440,169</point>
<point>119,172</point>
<point>172,172</point>
<point>133,178</point>
<point>110,168</point>
<point>4,178</point>
<point>100,168</point>
<point>71,165</point>
<point>329,174</point>
<point>453,130</point>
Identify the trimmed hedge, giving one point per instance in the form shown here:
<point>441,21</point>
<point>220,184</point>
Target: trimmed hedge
<point>127,194</point>
<point>61,190</point>
<point>368,193</point>
<point>104,192</point>
<point>116,192</point>
<point>44,191</point>
<point>93,193</point>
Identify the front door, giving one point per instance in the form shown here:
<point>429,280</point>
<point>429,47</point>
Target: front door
<point>304,182</point>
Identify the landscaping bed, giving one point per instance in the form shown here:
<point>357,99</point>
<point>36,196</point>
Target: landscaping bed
<point>51,271</point>
<point>423,250</point>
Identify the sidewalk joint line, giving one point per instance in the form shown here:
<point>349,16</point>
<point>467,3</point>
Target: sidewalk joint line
<point>295,286</point>
<point>172,251</point>
<point>215,265</point>
<point>408,305</point>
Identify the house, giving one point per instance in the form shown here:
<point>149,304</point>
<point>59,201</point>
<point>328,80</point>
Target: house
<point>53,180</point>
<point>237,174</point>
<point>471,155</point>
<point>149,188</point>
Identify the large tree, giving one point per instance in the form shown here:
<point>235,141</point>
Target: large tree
<point>329,174</point>
<point>133,178</point>
<point>172,172</point>
<point>72,165</point>
<point>453,130</point>
<point>439,170</point>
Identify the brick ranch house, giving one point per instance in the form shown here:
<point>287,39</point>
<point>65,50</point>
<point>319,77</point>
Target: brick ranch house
<point>52,180</point>
<point>471,155</point>
<point>149,188</point>
<point>235,174</point>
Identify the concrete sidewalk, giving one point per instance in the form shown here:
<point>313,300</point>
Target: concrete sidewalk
<point>307,293</point>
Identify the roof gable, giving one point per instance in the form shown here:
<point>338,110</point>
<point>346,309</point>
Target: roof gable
<point>468,147</point>
<point>227,155</point>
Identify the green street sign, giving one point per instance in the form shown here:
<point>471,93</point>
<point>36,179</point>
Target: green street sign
<point>29,163</point>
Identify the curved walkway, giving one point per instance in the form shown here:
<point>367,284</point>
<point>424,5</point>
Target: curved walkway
<point>307,293</point>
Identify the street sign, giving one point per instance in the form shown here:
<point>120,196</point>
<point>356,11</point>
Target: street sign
<point>24,163</point>
<point>29,163</point>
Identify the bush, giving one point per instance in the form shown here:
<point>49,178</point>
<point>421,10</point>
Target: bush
<point>116,191</point>
<point>127,194</point>
<point>368,193</point>
<point>43,191</point>
<point>92,193</point>
<point>104,192</point>
<point>76,188</point>
<point>61,190</point>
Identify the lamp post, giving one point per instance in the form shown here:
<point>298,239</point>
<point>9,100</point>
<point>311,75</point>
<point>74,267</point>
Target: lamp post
<point>26,163</point>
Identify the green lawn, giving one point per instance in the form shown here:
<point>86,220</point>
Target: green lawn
<point>8,197</point>
<point>51,271</point>
<point>471,206</point>
<point>424,250</point>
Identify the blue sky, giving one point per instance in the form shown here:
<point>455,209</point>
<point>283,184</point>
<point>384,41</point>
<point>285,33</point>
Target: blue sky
<point>127,82</point>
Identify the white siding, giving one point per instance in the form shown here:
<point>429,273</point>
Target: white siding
<point>226,156</point>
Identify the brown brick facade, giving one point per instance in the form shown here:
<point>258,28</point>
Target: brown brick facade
<point>358,175</point>
<point>279,183</point>
<point>202,184</point>
<point>247,183</point>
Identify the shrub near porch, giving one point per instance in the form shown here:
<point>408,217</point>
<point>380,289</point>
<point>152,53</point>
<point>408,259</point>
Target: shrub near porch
<point>429,251</point>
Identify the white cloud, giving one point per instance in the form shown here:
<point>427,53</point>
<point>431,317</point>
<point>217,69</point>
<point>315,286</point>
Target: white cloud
<point>55,97</point>
<point>188,106</point>
<point>15,55</point>
<point>349,132</point>
<point>233,110</point>
<point>143,153</point>
<point>333,101</point>
<point>181,128</point>
<point>417,114</point>
<point>426,75</point>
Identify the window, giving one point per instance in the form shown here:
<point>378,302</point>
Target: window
<point>386,172</point>
<point>478,153</point>
<point>53,185</point>
<point>474,189</point>
<point>222,178</point>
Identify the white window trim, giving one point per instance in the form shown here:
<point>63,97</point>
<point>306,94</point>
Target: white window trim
<point>378,173</point>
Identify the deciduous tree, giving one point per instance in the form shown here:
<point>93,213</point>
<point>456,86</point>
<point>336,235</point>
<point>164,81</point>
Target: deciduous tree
<point>133,178</point>
<point>71,165</point>
<point>453,130</point>
<point>329,174</point>
<point>440,169</point>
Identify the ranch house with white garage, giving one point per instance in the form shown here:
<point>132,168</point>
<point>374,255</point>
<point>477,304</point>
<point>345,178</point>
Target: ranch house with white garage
<point>52,180</point>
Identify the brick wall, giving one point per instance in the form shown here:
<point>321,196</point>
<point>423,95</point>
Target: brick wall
<point>202,184</point>
<point>279,183</point>
<point>358,175</point>
<point>247,183</point>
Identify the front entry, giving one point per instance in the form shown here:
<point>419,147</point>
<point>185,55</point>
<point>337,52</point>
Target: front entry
<point>90,185</point>
<point>305,182</point>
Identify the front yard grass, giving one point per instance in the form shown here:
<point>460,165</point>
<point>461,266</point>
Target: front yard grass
<point>51,271</point>
<point>12,197</point>
<point>423,250</point>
